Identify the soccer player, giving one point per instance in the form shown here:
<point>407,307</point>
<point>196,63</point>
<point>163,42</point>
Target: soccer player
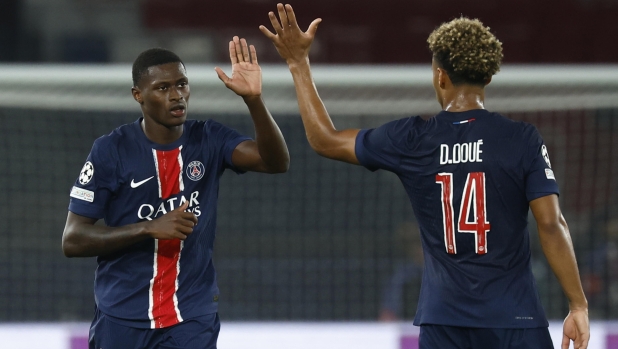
<point>471,176</point>
<point>155,182</point>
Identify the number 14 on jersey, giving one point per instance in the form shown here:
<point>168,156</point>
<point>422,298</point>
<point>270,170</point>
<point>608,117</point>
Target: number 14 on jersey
<point>473,198</point>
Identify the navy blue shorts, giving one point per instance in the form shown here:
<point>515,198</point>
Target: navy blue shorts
<point>197,333</point>
<point>451,337</point>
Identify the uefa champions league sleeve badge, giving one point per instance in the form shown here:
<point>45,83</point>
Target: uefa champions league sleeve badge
<point>85,176</point>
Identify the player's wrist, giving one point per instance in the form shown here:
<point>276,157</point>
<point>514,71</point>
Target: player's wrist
<point>252,99</point>
<point>144,230</point>
<point>298,64</point>
<point>581,305</point>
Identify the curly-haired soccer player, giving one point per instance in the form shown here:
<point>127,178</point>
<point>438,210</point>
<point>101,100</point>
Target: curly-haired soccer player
<point>156,182</point>
<point>471,176</point>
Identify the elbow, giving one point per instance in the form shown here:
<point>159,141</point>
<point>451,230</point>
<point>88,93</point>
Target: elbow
<point>321,147</point>
<point>70,248</point>
<point>322,152</point>
<point>326,145</point>
<point>553,226</point>
<point>68,251</point>
<point>282,167</point>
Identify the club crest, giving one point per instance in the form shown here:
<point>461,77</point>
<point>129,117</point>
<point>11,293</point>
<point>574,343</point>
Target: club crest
<point>195,170</point>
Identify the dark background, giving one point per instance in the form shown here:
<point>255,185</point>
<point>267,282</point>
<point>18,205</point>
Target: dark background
<point>353,31</point>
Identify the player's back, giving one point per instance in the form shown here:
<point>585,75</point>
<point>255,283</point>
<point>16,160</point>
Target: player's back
<point>469,176</point>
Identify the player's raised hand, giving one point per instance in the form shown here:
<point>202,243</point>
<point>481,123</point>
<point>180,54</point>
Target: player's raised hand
<point>291,42</point>
<point>576,328</point>
<point>176,224</point>
<point>246,80</point>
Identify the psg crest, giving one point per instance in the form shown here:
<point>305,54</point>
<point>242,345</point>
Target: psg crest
<point>195,170</point>
<point>85,176</point>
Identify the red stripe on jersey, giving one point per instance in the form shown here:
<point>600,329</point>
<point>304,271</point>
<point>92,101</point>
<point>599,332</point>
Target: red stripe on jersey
<point>169,172</point>
<point>164,312</point>
<point>164,303</point>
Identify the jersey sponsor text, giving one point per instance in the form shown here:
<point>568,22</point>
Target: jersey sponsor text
<point>148,211</point>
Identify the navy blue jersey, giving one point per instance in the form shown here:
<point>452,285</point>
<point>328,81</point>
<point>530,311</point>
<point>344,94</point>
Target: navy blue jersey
<point>470,177</point>
<point>129,179</point>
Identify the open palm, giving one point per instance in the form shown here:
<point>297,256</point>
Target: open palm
<point>246,80</point>
<point>290,41</point>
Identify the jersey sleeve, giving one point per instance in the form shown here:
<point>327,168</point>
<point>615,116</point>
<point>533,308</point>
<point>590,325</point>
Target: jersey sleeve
<point>381,148</point>
<point>96,182</point>
<point>226,139</point>
<point>539,177</point>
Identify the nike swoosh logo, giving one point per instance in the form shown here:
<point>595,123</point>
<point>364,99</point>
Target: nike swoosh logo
<point>135,185</point>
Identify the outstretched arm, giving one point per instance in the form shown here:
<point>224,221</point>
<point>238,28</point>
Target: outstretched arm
<point>268,153</point>
<point>82,238</point>
<point>293,46</point>
<point>558,248</point>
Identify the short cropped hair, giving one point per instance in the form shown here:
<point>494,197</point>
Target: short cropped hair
<point>150,58</point>
<point>467,50</point>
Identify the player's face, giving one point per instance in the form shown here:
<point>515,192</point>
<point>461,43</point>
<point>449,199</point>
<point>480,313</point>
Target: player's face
<point>164,94</point>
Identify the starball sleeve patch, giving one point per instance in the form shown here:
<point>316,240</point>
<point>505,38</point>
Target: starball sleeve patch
<point>86,174</point>
<point>545,155</point>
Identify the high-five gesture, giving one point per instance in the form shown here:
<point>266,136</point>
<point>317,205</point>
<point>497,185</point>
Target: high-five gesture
<point>291,42</point>
<point>246,80</point>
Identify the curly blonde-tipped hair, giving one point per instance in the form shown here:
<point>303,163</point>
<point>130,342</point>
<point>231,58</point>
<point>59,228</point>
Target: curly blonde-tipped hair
<point>467,50</point>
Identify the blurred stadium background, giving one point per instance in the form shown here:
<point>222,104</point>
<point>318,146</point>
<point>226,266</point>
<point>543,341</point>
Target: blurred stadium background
<point>326,241</point>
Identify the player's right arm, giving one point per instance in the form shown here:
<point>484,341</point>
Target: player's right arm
<point>293,46</point>
<point>558,248</point>
<point>82,238</point>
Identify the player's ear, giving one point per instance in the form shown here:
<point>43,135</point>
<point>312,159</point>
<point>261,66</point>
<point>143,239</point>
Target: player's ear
<point>442,78</point>
<point>487,81</point>
<point>137,95</point>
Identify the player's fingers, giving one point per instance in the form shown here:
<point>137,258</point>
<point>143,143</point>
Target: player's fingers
<point>183,229</point>
<point>582,342</point>
<point>180,236</point>
<point>233,56</point>
<point>313,27</point>
<point>190,218</point>
<point>186,222</point>
<point>222,76</point>
<point>238,48</point>
<point>565,341</point>
<point>291,16</point>
<point>253,54</point>
<point>283,17</point>
<point>267,32</point>
<point>275,22</point>
<point>245,50</point>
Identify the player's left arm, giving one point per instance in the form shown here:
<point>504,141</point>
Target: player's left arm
<point>269,152</point>
<point>558,248</point>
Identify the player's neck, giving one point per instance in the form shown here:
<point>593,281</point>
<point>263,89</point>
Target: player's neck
<point>161,134</point>
<point>464,98</point>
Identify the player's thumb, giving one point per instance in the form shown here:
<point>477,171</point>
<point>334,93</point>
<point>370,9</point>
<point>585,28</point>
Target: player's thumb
<point>183,207</point>
<point>222,76</point>
<point>313,27</point>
